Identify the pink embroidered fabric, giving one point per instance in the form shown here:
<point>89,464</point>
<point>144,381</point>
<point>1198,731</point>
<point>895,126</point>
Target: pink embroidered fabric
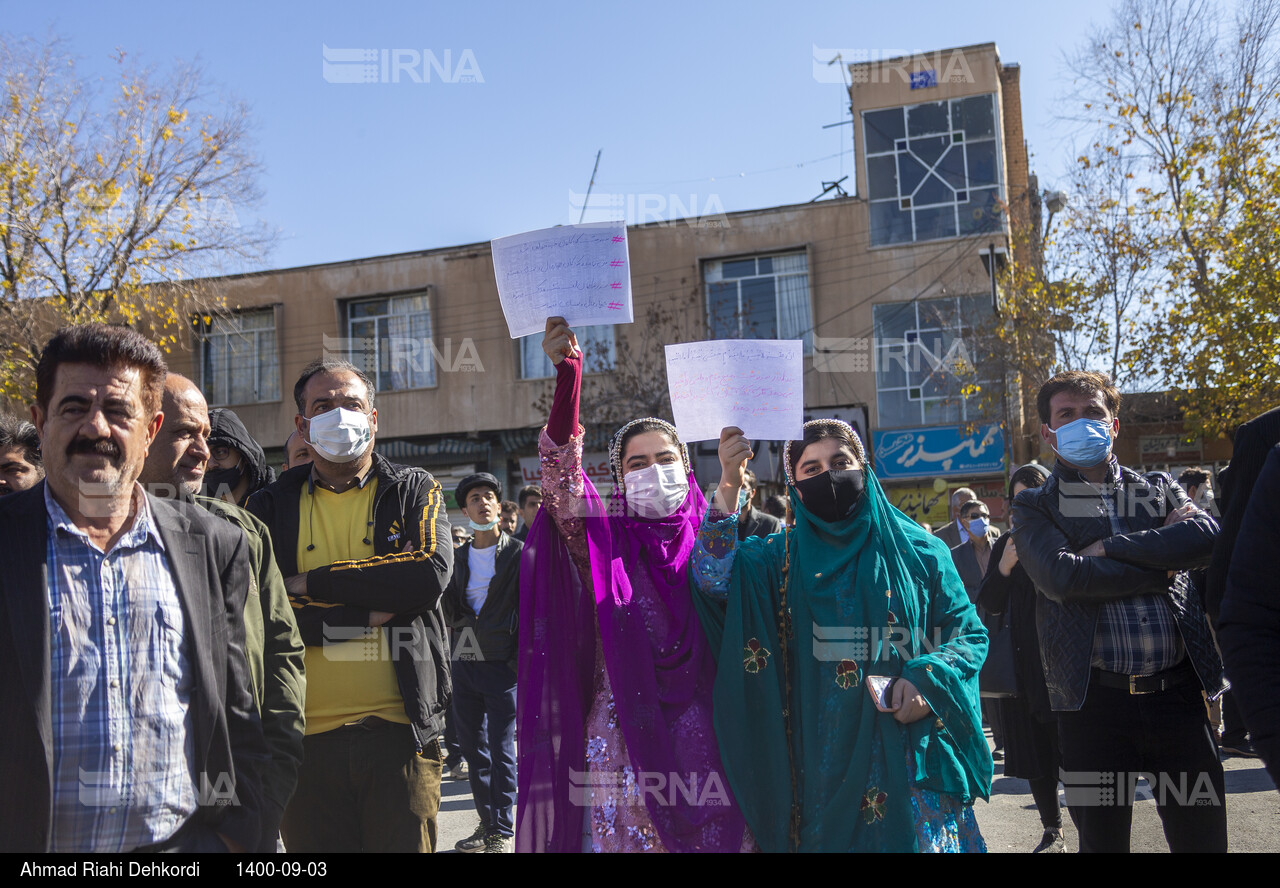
<point>619,821</point>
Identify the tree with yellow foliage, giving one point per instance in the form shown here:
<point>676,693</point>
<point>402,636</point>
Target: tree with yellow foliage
<point>113,207</point>
<point>1189,108</point>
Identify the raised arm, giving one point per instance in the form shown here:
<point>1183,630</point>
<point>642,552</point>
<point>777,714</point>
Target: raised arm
<point>560,445</point>
<point>717,543</point>
<point>561,345</point>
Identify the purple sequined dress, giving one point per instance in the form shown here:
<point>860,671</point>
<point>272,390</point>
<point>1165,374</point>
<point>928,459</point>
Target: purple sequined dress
<point>613,789</point>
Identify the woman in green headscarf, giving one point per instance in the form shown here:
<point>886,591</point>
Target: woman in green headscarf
<point>846,695</point>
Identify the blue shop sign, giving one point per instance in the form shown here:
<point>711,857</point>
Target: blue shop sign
<point>938,452</point>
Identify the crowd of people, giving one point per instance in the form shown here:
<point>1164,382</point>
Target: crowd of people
<point>207,656</point>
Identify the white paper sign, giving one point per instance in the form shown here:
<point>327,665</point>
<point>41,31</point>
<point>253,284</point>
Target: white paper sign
<point>578,272</point>
<point>754,384</point>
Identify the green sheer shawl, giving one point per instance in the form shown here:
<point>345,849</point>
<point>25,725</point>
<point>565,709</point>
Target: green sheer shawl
<point>870,594</point>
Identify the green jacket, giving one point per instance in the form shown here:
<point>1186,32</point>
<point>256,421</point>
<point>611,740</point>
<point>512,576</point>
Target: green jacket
<point>274,650</point>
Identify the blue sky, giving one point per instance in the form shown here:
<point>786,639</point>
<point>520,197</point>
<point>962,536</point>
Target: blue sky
<point>711,105</point>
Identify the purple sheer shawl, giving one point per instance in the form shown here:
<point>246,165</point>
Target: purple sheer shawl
<point>660,669</point>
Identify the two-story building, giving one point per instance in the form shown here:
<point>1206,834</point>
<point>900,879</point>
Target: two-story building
<point>885,288</point>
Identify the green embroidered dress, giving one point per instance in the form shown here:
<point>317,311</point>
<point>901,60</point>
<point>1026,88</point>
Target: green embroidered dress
<point>814,765</point>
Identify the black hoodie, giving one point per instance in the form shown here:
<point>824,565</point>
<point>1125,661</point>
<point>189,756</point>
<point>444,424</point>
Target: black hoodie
<point>226,428</point>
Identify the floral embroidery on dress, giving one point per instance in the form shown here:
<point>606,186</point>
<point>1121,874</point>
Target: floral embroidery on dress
<point>873,805</point>
<point>754,656</point>
<point>847,674</point>
<point>713,553</point>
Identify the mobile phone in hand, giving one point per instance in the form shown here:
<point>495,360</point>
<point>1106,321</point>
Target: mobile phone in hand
<point>880,688</point>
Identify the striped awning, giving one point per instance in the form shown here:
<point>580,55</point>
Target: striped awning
<point>517,440</point>
<point>447,448</point>
<point>514,440</point>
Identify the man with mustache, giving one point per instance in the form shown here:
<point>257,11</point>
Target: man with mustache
<point>129,723</point>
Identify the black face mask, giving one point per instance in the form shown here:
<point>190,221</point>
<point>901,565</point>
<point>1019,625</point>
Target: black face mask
<point>832,495</point>
<point>222,480</point>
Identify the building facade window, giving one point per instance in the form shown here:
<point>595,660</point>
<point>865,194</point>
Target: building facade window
<point>238,357</point>
<point>596,344</point>
<point>925,356</point>
<point>760,297</point>
<point>390,340</point>
<point>933,170</point>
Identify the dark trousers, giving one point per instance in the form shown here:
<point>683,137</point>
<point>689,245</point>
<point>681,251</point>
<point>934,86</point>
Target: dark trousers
<point>1234,731</point>
<point>991,712</point>
<point>487,691</point>
<point>365,787</point>
<point>1117,736</point>
<point>452,749</point>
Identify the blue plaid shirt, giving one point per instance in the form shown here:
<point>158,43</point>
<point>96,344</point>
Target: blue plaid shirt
<point>121,689</point>
<point>1133,636</point>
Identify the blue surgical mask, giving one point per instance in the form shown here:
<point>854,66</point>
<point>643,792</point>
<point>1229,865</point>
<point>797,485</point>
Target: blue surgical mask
<point>490,526</point>
<point>1084,442</point>
<point>978,526</point>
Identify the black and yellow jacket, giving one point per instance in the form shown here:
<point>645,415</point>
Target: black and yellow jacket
<point>410,568</point>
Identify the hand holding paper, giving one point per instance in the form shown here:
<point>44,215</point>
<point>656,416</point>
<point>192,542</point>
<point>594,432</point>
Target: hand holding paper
<point>559,342</point>
<point>580,273</point>
<point>734,451</point>
<point>756,385</point>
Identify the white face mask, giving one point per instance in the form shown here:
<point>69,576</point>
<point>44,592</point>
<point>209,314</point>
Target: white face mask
<point>657,490</point>
<point>340,435</point>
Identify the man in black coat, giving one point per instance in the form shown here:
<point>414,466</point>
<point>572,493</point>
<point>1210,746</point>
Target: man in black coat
<point>1249,625</point>
<point>751,521</point>
<point>482,604</point>
<point>129,719</point>
<point>1126,646</point>
<point>1253,441</point>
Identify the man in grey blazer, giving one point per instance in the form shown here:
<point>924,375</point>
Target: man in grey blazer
<point>971,557</point>
<point>129,721</point>
<point>953,533</point>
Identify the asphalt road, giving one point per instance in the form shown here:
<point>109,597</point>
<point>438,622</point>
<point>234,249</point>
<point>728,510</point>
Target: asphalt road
<point>458,817</point>
<point>1010,823</point>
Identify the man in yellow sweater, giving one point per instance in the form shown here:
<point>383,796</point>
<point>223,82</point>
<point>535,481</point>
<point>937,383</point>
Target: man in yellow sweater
<point>365,550</point>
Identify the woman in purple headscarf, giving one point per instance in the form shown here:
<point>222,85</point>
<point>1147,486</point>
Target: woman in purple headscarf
<point>616,746</point>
